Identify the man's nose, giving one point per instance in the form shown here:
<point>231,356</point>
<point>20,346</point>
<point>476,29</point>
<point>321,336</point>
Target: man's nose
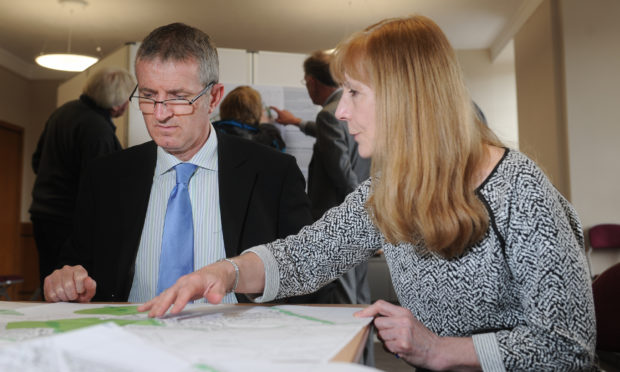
<point>161,111</point>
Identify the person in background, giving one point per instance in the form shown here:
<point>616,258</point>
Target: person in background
<point>156,211</point>
<point>242,114</point>
<point>485,255</point>
<point>75,134</point>
<point>335,170</point>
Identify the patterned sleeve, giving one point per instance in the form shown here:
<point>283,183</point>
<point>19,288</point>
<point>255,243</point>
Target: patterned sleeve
<point>341,239</point>
<point>544,250</point>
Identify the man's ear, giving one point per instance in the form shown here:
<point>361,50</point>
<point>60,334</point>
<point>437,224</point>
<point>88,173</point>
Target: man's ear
<point>215,96</point>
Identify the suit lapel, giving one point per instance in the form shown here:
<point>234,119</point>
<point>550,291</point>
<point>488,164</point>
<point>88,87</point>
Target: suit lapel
<point>136,172</point>
<point>236,179</point>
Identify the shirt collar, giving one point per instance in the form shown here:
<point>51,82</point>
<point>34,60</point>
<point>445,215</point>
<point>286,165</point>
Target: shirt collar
<point>331,96</point>
<point>205,158</point>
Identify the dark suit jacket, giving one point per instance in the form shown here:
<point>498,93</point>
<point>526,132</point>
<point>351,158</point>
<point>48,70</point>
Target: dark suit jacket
<point>75,134</point>
<point>262,198</point>
<point>336,168</point>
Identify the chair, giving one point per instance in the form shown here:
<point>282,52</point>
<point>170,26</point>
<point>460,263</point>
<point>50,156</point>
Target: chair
<point>607,307</point>
<point>6,281</point>
<point>604,236</point>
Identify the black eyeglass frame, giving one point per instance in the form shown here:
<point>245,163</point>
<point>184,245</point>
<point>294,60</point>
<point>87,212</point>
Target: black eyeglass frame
<point>163,102</point>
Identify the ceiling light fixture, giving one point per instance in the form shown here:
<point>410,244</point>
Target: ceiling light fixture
<point>67,61</point>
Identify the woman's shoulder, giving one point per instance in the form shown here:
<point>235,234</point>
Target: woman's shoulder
<point>517,182</point>
<point>517,170</point>
<point>520,182</point>
<point>364,188</point>
<point>516,162</point>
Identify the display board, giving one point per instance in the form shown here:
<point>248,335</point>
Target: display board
<point>298,102</point>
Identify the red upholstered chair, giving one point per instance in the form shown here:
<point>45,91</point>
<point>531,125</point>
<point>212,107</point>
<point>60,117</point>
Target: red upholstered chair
<point>606,291</point>
<point>604,236</point>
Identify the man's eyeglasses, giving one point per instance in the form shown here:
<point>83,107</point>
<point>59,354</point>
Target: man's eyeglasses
<point>179,106</point>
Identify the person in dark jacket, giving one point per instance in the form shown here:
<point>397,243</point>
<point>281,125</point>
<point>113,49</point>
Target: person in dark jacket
<point>75,134</point>
<point>335,170</point>
<point>242,113</point>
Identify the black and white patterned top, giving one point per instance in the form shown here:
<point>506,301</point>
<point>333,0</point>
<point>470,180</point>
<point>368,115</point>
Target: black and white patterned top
<point>523,292</point>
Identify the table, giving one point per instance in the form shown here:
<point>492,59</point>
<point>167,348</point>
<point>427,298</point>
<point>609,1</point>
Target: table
<point>354,349</point>
<point>255,333</point>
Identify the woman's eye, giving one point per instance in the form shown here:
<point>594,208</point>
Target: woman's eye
<point>352,92</point>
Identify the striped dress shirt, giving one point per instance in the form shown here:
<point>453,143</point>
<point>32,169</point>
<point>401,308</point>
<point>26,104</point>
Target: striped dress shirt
<point>204,196</point>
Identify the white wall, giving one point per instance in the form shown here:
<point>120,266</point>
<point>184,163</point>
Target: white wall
<point>492,85</point>
<point>592,67</point>
<point>235,66</point>
<point>136,128</point>
<point>285,69</point>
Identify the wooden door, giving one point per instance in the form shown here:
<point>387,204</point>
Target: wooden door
<point>11,144</point>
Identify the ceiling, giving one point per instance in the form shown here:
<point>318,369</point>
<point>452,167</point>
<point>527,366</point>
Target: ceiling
<point>30,27</point>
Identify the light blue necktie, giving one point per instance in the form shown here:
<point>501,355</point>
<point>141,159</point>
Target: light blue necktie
<point>177,247</point>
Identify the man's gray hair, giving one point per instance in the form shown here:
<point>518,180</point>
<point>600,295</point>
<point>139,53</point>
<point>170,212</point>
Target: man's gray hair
<point>109,87</point>
<point>180,42</point>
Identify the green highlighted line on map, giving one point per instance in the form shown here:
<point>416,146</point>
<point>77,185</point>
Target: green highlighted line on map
<point>111,310</point>
<point>9,312</point>
<point>64,325</point>
<point>306,317</point>
<point>204,367</point>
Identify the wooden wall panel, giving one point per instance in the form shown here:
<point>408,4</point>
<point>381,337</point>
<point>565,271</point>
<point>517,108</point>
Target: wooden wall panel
<point>11,148</point>
<point>29,264</point>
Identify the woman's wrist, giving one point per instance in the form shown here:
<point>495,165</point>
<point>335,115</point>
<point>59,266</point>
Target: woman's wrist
<point>232,272</point>
<point>454,354</point>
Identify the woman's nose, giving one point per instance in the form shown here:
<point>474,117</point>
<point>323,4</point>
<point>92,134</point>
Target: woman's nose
<point>342,112</point>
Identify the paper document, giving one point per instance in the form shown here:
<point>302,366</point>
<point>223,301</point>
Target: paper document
<point>65,336</point>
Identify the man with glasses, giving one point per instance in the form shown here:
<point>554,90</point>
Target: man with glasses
<point>157,211</point>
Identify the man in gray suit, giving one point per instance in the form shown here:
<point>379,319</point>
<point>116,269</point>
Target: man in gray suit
<point>335,170</point>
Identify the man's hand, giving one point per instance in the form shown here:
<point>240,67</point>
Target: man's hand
<point>285,117</point>
<point>211,282</point>
<point>71,283</point>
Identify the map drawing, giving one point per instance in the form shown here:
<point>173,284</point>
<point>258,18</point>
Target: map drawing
<point>216,338</point>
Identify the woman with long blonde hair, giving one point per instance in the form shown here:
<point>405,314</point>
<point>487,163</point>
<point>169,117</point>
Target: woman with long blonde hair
<point>485,255</point>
